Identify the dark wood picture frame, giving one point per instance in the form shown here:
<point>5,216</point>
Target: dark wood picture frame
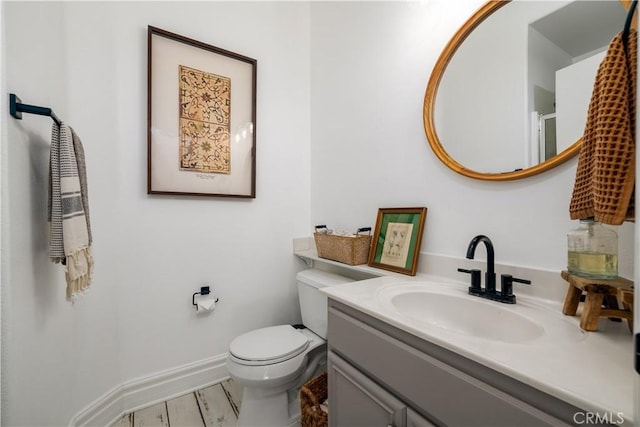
<point>201,118</point>
<point>397,239</point>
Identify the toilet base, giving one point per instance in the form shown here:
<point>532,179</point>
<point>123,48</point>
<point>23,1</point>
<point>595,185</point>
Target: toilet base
<point>262,408</point>
<point>271,393</point>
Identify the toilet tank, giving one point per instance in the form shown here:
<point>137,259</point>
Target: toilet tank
<point>313,303</point>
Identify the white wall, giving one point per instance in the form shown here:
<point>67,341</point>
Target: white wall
<point>51,349</point>
<point>369,150</point>
<point>88,62</point>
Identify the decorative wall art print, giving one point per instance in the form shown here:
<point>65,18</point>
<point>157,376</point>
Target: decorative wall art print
<point>205,113</point>
<point>397,239</point>
<point>201,132</point>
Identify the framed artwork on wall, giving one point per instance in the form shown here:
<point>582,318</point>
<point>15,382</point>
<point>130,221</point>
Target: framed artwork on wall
<point>397,239</point>
<point>201,118</point>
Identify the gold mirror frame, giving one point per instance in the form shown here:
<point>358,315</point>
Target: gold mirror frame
<point>429,106</point>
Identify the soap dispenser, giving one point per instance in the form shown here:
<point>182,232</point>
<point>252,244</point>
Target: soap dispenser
<point>593,250</point>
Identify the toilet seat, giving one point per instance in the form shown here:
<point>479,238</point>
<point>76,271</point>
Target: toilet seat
<point>268,346</point>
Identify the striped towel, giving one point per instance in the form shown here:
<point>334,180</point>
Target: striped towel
<point>69,226</point>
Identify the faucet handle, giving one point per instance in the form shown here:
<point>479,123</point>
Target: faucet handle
<point>507,280</point>
<point>476,278</point>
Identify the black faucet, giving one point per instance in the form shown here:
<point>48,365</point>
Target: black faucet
<point>506,290</point>
<point>490,274</point>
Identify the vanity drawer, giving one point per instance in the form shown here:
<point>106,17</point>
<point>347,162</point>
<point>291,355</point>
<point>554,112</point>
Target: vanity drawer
<point>444,394</point>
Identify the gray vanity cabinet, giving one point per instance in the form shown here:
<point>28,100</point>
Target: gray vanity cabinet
<point>380,375</point>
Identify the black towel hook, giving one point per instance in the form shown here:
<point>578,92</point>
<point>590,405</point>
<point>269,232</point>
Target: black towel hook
<point>16,108</point>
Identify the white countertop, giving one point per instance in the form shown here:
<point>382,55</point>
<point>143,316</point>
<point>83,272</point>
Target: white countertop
<point>591,370</point>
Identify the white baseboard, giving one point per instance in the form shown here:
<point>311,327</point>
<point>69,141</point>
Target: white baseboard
<point>149,390</point>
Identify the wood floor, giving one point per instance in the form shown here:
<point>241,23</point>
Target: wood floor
<point>215,406</point>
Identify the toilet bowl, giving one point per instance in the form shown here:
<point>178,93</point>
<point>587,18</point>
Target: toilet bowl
<point>272,363</point>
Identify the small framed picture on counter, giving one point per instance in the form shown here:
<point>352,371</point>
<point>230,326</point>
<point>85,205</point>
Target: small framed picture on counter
<point>397,239</point>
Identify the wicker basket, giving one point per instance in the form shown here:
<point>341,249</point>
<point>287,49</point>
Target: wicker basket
<point>352,250</point>
<point>312,394</point>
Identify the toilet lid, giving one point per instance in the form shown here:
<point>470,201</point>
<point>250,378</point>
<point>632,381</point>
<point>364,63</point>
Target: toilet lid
<point>273,344</point>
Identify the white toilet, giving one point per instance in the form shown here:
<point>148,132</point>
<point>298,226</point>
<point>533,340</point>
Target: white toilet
<point>271,364</point>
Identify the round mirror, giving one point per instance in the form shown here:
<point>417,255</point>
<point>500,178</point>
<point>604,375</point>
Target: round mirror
<point>508,97</point>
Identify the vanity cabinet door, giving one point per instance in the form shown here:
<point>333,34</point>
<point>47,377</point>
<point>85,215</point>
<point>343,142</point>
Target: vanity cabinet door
<point>356,401</point>
<point>416,420</point>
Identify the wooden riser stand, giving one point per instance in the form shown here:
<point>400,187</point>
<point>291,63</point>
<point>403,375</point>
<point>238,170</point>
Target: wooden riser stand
<point>603,299</point>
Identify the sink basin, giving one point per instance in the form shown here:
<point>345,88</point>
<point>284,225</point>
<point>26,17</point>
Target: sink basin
<point>451,309</point>
<point>468,317</point>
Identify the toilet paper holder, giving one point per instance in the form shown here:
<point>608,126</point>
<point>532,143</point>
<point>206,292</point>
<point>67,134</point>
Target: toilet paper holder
<point>204,290</point>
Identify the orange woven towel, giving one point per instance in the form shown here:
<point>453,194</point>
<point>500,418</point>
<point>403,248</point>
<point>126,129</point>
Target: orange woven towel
<point>605,178</point>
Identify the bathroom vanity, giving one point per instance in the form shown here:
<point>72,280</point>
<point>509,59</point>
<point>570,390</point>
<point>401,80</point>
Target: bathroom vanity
<point>397,359</point>
<point>381,375</point>
<point>419,351</point>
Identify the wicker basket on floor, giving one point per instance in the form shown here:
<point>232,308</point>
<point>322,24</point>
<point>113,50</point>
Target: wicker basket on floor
<point>312,395</point>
